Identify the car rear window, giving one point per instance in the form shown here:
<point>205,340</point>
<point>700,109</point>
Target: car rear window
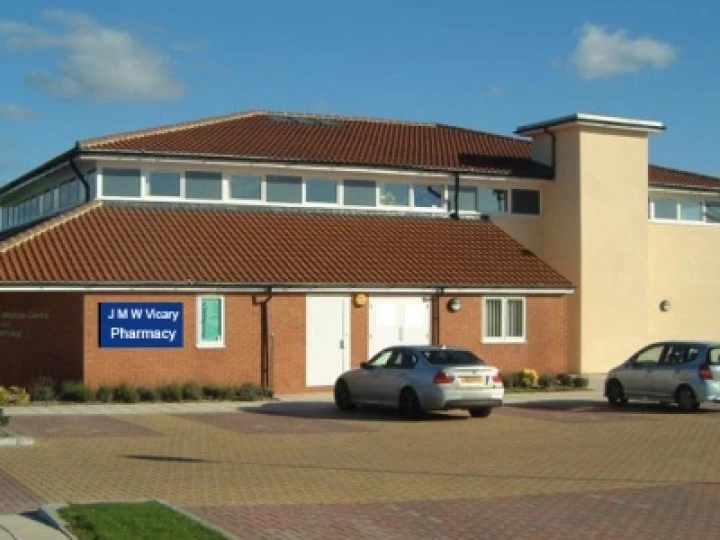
<point>452,358</point>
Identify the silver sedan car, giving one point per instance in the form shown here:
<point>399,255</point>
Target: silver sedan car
<point>422,378</point>
<point>682,372</point>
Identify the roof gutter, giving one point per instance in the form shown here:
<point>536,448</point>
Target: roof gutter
<point>553,151</point>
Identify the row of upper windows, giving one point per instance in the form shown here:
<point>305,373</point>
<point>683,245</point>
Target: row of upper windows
<point>284,189</point>
<point>47,203</point>
<point>688,210</point>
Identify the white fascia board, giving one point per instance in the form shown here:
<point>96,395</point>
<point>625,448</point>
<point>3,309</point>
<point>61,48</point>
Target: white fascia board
<point>587,119</point>
<point>281,289</point>
<point>681,191</point>
<point>342,169</point>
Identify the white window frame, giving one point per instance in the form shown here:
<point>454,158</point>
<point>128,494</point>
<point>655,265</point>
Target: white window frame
<point>201,343</point>
<point>504,338</point>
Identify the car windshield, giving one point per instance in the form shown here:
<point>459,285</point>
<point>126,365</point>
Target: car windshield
<point>451,357</point>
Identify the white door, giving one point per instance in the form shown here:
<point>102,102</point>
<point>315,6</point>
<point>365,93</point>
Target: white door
<point>397,321</point>
<point>328,339</point>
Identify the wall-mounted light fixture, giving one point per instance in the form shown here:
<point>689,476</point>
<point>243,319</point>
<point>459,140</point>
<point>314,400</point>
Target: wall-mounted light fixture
<point>454,304</point>
<point>360,299</point>
<point>665,305</point>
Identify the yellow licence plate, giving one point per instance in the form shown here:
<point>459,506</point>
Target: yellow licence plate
<point>472,380</point>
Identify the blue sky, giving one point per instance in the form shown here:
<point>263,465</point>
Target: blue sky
<point>74,70</point>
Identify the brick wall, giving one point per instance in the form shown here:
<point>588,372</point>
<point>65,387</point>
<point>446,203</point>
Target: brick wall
<point>359,321</point>
<point>236,363</point>
<point>40,335</point>
<point>546,349</point>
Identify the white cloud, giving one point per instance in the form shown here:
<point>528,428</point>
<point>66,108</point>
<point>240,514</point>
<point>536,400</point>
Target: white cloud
<point>10,111</point>
<point>99,62</point>
<point>605,54</point>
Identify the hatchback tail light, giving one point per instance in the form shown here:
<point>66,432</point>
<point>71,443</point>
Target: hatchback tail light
<point>497,379</point>
<point>705,373</point>
<point>443,378</point>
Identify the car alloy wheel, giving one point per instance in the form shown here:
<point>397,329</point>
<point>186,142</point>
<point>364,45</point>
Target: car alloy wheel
<point>616,394</point>
<point>343,399</point>
<point>409,404</point>
<point>686,400</point>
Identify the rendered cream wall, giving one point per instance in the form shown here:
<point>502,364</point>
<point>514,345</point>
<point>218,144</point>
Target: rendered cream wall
<point>683,269</point>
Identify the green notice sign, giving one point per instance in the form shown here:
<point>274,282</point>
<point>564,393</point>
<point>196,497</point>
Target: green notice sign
<point>211,319</point>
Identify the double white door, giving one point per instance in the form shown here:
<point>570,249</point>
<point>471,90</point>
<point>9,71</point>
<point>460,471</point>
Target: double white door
<point>398,321</point>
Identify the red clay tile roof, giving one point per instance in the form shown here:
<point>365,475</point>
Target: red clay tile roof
<point>664,177</point>
<point>118,245</point>
<point>307,138</point>
<point>334,140</point>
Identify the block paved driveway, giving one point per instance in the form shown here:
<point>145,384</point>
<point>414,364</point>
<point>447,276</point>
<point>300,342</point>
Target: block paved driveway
<point>552,469</point>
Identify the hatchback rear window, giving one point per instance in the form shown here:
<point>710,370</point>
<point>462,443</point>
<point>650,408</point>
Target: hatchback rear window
<point>452,358</point>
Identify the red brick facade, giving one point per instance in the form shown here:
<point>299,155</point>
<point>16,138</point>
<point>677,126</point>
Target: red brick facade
<point>57,335</point>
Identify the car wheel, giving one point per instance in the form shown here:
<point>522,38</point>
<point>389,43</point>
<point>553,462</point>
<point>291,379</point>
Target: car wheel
<point>480,412</point>
<point>409,404</point>
<point>686,400</point>
<point>343,398</point>
<point>616,394</point>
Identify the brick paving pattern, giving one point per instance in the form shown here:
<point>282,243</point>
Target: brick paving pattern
<point>542,470</point>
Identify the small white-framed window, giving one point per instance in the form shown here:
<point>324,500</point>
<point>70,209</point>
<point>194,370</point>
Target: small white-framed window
<point>211,321</point>
<point>504,320</point>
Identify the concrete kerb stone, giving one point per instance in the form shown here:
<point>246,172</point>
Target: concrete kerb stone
<point>7,438</point>
<point>50,514</point>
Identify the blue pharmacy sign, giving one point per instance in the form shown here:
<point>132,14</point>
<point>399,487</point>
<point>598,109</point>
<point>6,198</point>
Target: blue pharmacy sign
<point>141,324</point>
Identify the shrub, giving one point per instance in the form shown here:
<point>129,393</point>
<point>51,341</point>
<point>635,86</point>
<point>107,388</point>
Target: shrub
<point>148,394</point>
<point>76,391</point>
<point>105,394</point>
<point>43,389</point>
<point>267,392</point>
<point>171,392</point>
<point>529,377</point>
<point>580,382</point>
<point>227,393</point>
<point>126,393</point>
<point>512,379</point>
<point>191,391</point>
<point>248,392</point>
<point>19,396</point>
<point>212,391</point>
<point>4,419</point>
<point>564,379</point>
<point>4,396</point>
<point>546,380</point>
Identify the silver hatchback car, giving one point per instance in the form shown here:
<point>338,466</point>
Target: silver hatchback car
<point>422,378</point>
<point>682,372</point>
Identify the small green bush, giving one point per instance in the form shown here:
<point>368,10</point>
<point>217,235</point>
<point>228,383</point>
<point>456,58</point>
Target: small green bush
<point>126,393</point>
<point>4,396</point>
<point>227,393</point>
<point>564,379</point>
<point>42,389</point>
<point>148,394</point>
<point>248,392</point>
<point>512,379</point>
<point>211,391</point>
<point>19,396</point>
<point>546,380</point>
<point>4,419</point>
<point>267,392</point>
<point>105,394</point>
<point>192,391</point>
<point>171,392</point>
<point>580,382</point>
<point>76,391</point>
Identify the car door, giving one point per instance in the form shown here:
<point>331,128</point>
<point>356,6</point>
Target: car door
<point>637,377</point>
<point>395,376</point>
<point>672,369</point>
<point>367,387</point>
